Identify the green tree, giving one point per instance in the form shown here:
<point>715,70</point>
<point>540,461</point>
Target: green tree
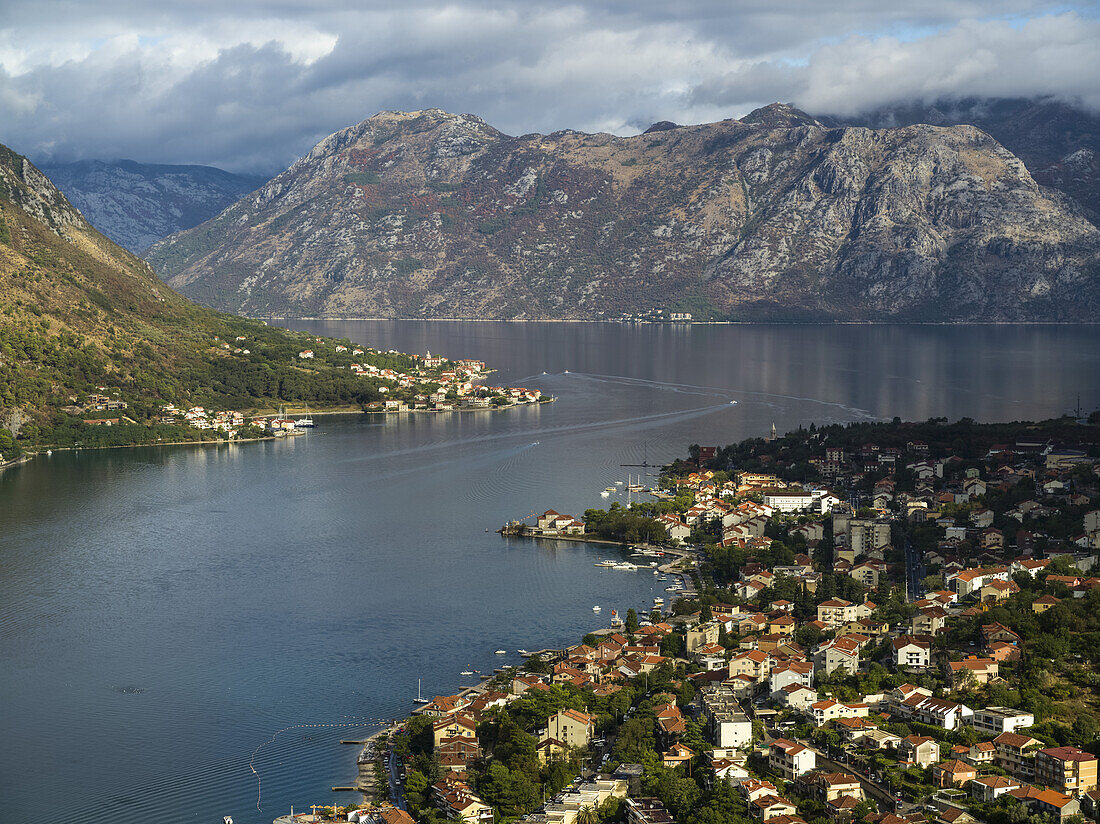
<point>631,620</point>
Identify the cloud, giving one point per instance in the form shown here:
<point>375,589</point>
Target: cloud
<point>251,85</point>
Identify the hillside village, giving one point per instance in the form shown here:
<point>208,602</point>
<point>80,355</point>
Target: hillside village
<point>892,624</point>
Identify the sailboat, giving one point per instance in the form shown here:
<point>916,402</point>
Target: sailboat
<point>420,699</point>
<point>306,422</point>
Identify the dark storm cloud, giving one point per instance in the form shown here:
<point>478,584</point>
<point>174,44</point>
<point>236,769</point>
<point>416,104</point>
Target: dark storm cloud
<point>251,85</point>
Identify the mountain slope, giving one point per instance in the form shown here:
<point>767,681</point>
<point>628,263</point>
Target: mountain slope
<point>78,313</point>
<point>1057,141</point>
<point>136,204</point>
<point>429,214</point>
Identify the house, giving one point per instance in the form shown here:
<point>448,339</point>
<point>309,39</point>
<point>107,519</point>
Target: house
<point>551,749</point>
<point>790,759</point>
<point>790,672</point>
<point>797,696</point>
<point>674,527</point>
<point>1066,769</point>
<point>842,652</point>
<point>647,811</point>
<point>1043,603</point>
<point>703,635</point>
<point>980,754</point>
<point>824,787</point>
<point>953,773</point>
<point>572,727</point>
<point>940,712</point>
<point>828,710</point>
<point>1059,806</point>
<point>788,500</point>
<point>982,517</point>
<point>989,788</point>
<point>836,612</point>
<point>919,750</point>
<point>912,651</point>
<point>454,726</point>
<point>929,621</point>
<point>677,755</point>
<point>997,590</point>
<point>972,670</point>
<point>1015,753</point>
<point>868,573</point>
<point>995,720</point>
<point>769,807</point>
<point>754,663</point>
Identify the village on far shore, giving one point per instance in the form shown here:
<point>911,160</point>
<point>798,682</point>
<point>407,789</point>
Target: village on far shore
<point>429,383</point>
<point>886,623</point>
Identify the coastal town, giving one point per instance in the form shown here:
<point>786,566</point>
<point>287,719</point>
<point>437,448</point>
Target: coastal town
<point>414,383</point>
<point>886,623</point>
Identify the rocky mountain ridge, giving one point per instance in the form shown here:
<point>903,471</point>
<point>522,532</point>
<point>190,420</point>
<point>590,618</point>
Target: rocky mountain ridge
<point>136,204</point>
<point>775,216</point>
<point>1058,141</point>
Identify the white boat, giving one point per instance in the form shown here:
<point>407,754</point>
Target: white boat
<point>420,699</point>
<point>596,609</point>
<point>605,564</point>
<point>658,602</point>
<point>625,566</point>
<point>466,673</point>
<point>605,494</point>
<point>502,652</point>
<point>523,652</point>
<point>656,572</point>
<point>306,422</point>
<point>618,483</point>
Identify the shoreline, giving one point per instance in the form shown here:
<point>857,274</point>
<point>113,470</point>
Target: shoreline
<point>237,441</point>
<point>679,323</point>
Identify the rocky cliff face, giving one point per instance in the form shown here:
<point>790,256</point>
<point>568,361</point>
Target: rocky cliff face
<point>429,214</point>
<point>136,204</point>
<point>1059,142</point>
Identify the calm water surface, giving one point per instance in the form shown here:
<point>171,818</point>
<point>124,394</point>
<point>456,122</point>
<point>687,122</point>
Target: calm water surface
<point>165,612</point>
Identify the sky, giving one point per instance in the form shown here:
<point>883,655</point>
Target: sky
<point>249,85</point>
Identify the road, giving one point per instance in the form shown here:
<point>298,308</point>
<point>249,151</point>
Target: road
<point>870,788</point>
<point>914,572</point>
<point>397,792</point>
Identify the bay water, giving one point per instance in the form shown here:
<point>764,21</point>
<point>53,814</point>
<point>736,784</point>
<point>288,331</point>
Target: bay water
<point>188,632</point>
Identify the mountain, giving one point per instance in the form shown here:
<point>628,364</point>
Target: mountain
<point>135,204</point>
<point>1058,141</point>
<point>776,216</point>
<point>80,317</point>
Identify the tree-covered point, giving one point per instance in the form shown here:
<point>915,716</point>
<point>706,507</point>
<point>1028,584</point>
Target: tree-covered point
<point>618,523</point>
